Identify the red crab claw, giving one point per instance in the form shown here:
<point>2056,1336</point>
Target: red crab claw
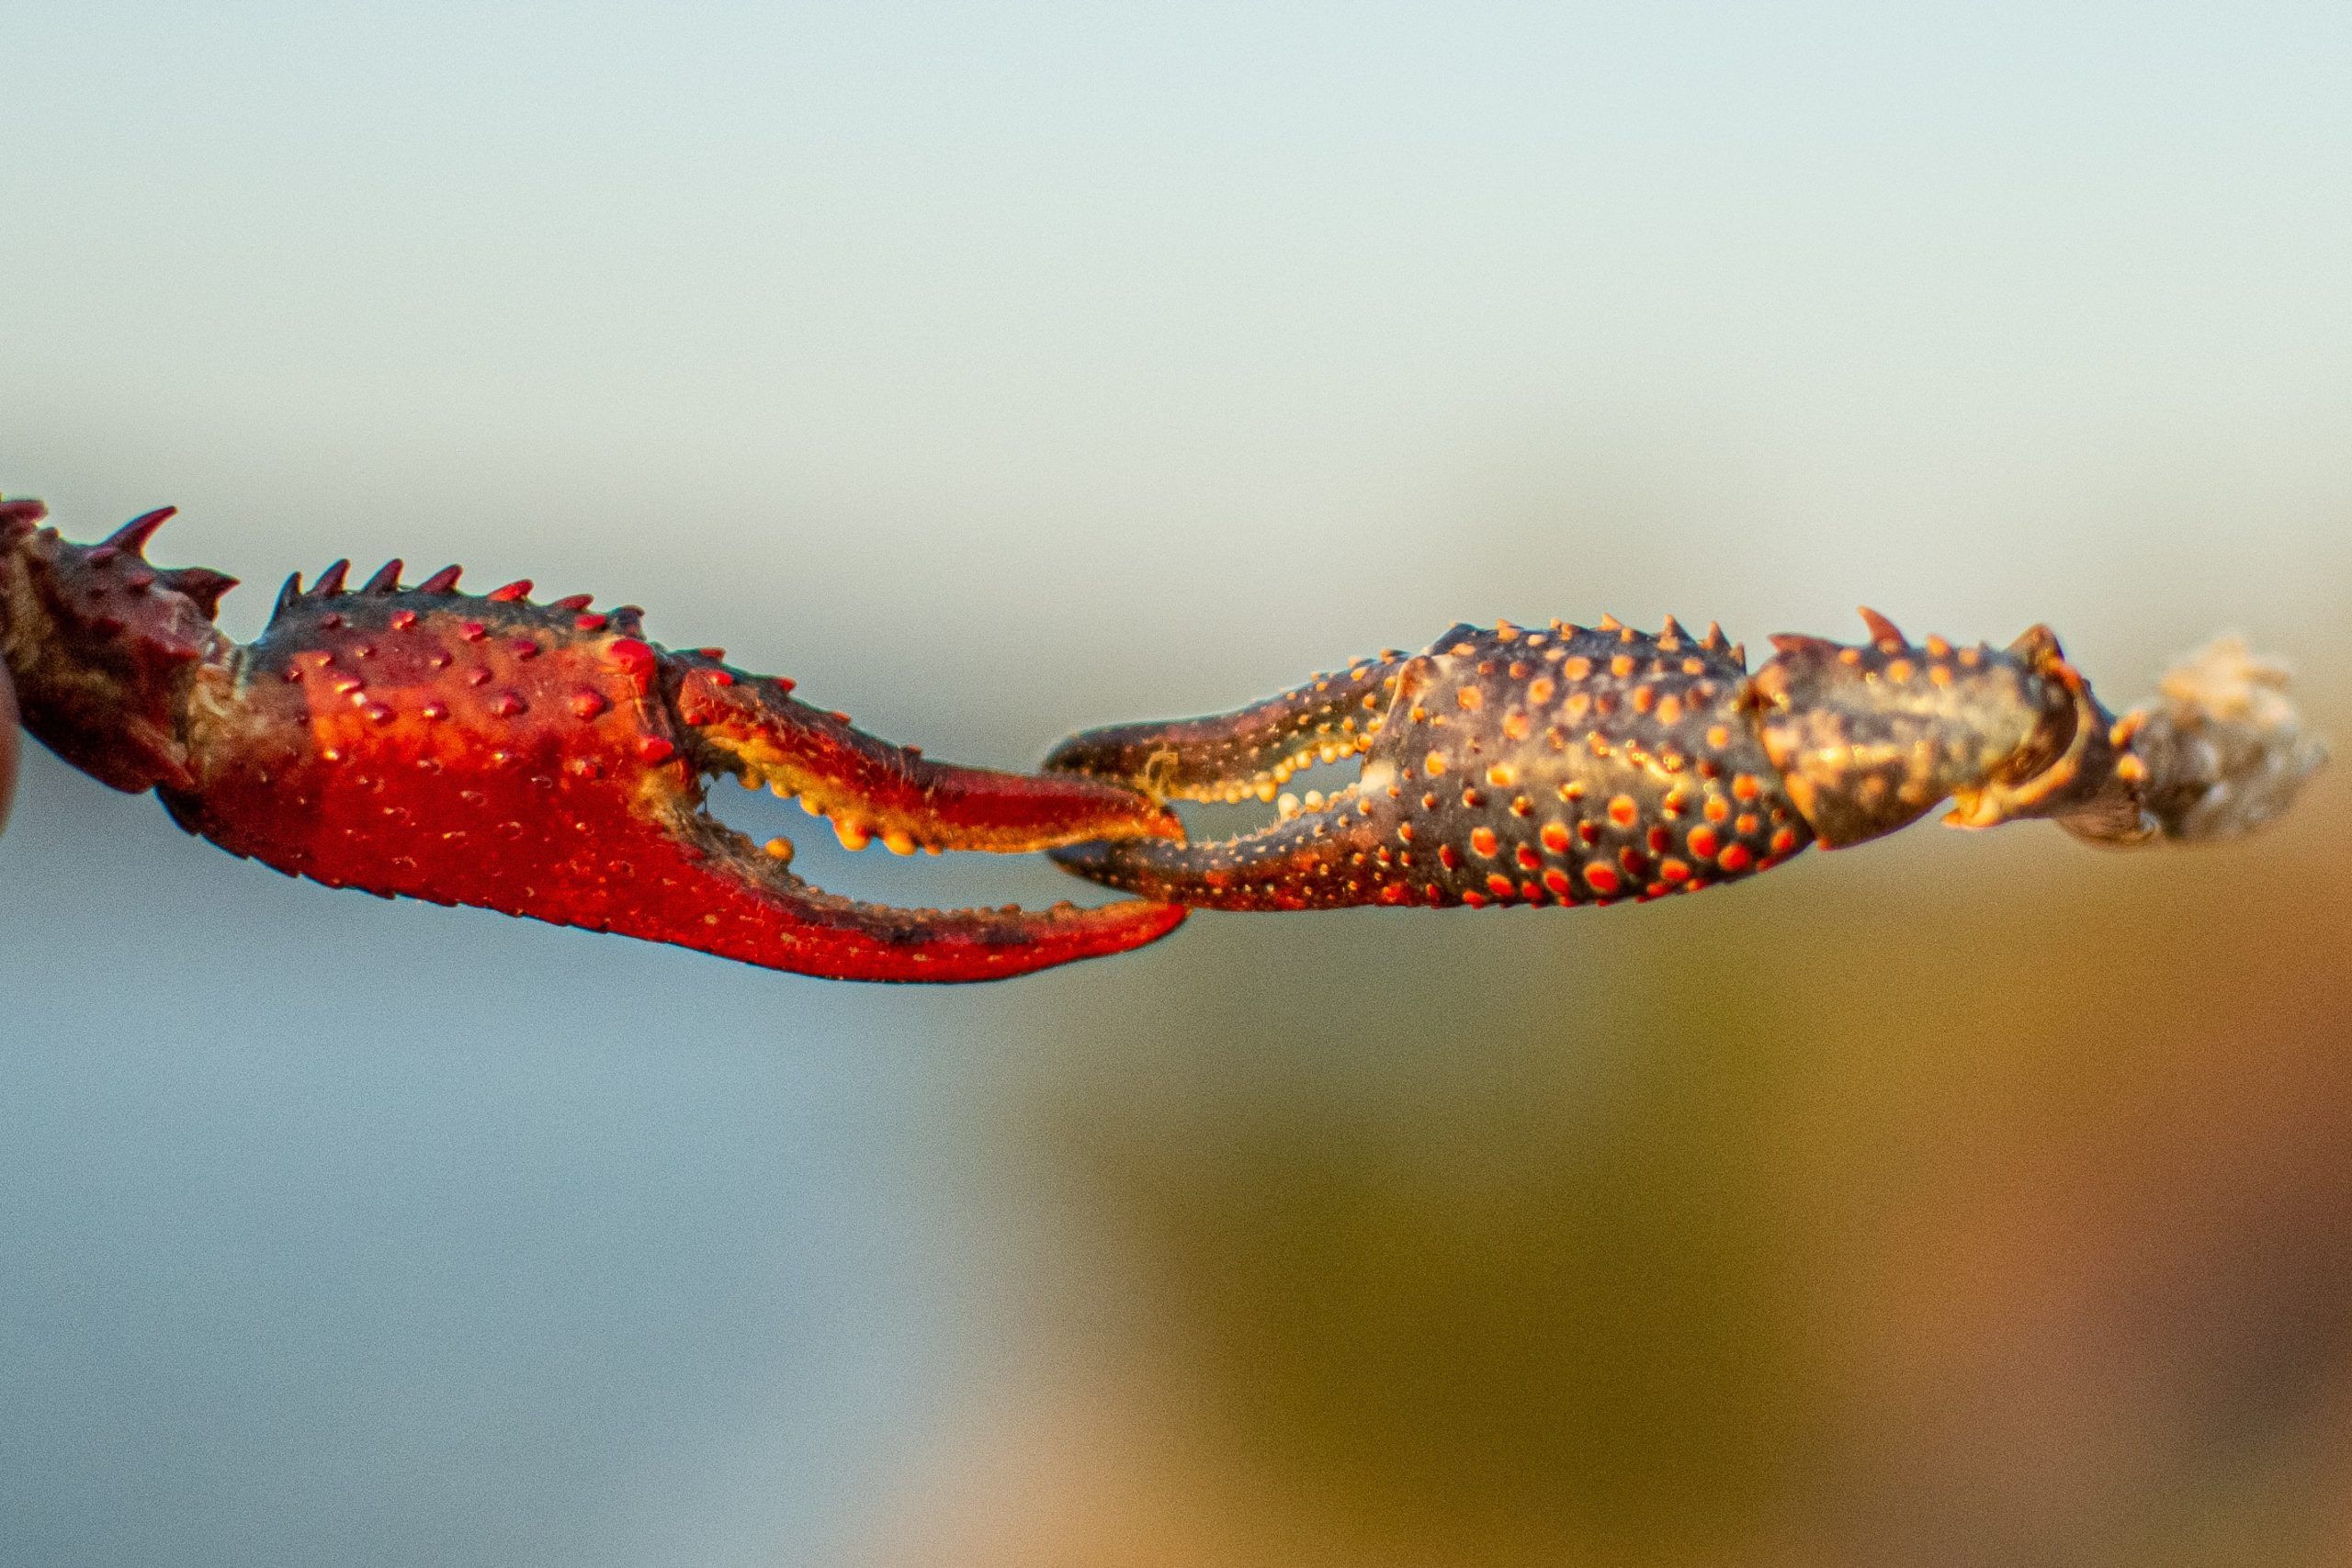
<point>542,760</point>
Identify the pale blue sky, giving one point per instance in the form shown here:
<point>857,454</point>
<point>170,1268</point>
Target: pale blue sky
<point>1376,316</point>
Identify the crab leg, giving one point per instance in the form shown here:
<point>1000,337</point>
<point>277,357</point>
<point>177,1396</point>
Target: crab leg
<point>1584,765</point>
<point>540,759</point>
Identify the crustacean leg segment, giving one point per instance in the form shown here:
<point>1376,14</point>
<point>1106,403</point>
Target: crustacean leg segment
<point>1575,765</point>
<point>540,759</point>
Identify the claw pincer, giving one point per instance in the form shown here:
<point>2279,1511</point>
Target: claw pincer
<point>1565,766</point>
<point>1576,765</point>
<point>540,759</point>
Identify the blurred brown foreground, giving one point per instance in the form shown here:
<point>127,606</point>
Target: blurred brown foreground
<point>1972,1199</point>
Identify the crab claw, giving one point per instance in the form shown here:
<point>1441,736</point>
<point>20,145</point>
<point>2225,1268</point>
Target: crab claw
<point>541,760</point>
<point>1582,766</point>
<point>1566,766</point>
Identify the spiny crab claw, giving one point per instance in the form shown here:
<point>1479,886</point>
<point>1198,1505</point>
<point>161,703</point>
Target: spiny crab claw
<point>1578,765</point>
<point>540,759</point>
<point>1568,765</point>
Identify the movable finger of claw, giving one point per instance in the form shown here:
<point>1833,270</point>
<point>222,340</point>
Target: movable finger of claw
<point>873,789</point>
<point>1252,751</point>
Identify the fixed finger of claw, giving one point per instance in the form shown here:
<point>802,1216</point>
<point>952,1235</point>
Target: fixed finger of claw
<point>1334,857</point>
<point>751,726</point>
<point>1250,752</point>
<point>738,899</point>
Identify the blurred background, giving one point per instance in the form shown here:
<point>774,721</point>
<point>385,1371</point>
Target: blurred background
<point>999,371</point>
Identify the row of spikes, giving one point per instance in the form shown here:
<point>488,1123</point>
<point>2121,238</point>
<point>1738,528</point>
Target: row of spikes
<point>1885,637</point>
<point>1670,635</point>
<point>387,581</point>
<point>384,582</point>
<point>200,583</point>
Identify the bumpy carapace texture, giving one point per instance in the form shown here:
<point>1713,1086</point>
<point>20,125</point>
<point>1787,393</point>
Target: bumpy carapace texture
<point>1575,765</point>
<point>540,759</point>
